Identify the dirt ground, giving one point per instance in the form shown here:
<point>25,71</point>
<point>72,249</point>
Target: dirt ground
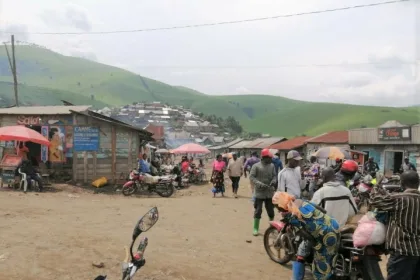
<point>57,235</point>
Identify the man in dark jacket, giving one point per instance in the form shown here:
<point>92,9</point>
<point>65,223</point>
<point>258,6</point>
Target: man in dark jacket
<point>31,174</point>
<point>263,177</point>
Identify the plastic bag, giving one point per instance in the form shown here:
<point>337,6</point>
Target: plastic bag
<point>369,231</point>
<point>98,183</point>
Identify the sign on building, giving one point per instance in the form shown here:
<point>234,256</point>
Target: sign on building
<point>85,138</point>
<point>394,133</point>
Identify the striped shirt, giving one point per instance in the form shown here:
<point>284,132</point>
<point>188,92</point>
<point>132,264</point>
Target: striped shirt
<point>403,233</point>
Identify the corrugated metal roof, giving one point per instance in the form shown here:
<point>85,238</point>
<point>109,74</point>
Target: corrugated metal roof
<point>290,144</point>
<point>392,123</point>
<point>261,143</point>
<point>333,137</point>
<point>240,145</point>
<point>231,143</point>
<point>43,110</point>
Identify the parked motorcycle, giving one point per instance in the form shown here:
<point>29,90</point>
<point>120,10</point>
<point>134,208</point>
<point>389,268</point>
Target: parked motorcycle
<point>130,268</point>
<point>162,185</point>
<point>352,263</point>
<point>196,175</point>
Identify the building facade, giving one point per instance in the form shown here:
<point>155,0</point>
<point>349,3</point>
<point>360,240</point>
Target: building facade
<point>388,144</point>
<point>84,144</point>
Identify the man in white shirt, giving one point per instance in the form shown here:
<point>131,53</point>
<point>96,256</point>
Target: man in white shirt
<point>235,172</point>
<point>289,178</point>
<point>335,198</point>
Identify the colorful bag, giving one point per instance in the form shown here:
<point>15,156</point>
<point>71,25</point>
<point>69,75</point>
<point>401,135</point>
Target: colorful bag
<point>369,231</point>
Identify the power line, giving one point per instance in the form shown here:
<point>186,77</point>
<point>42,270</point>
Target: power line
<point>272,66</point>
<point>212,24</point>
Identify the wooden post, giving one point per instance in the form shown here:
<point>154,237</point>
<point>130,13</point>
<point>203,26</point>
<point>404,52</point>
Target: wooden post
<point>114,154</point>
<point>12,64</point>
<point>85,166</point>
<point>130,152</point>
<point>14,71</point>
<point>74,152</point>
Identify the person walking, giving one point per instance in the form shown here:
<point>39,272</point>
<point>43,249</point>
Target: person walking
<point>290,179</point>
<point>371,167</point>
<point>407,165</point>
<point>312,175</point>
<point>235,172</point>
<point>403,232</point>
<point>277,162</point>
<point>247,167</point>
<point>263,177</point>
<point>217,177</point>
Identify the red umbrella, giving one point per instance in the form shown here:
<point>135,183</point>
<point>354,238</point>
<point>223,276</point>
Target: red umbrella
<point>22,134</point>
<point>191,148</point>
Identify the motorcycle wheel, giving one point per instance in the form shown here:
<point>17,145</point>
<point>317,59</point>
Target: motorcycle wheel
<point>275,258</point>
<point>165,190</point>
<point>127,191</point>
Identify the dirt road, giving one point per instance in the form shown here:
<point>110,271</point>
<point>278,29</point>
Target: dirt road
<point>59,235</point>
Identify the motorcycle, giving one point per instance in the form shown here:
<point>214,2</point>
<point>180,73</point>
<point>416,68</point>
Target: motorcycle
<point>196,175</point>
<point>162,185</point>
<point>352,263</point>
<point>130,268</point>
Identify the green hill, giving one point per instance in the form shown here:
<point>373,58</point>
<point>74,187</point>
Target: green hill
<point>33,95</point>
<point>47,77</point>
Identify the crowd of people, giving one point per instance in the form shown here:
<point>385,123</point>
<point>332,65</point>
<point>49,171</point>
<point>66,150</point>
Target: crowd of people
<point>327,206</point>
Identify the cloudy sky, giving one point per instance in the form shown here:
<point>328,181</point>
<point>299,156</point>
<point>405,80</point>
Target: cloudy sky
<point>362,56</point>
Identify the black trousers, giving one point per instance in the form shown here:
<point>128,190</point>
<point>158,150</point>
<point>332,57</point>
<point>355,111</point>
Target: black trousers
<point>403,267</point>
<point>36,178</point>
<point>269,207</point>
<point>235,183</point>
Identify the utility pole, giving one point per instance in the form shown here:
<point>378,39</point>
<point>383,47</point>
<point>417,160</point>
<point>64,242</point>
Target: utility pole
<point>12,64</point>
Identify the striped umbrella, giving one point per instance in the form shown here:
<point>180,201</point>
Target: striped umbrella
<point>332,153</point>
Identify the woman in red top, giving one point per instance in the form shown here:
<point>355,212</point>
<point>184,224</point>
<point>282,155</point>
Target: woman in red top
<point>184,165</point>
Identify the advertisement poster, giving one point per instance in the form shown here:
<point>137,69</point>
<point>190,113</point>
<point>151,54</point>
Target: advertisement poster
<point>57,137</point>
<point>44,149</point>
<point>85,138</point>
<point>69,142</point>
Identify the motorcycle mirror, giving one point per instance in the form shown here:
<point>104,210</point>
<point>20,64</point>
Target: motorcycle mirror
<point>146,222</point>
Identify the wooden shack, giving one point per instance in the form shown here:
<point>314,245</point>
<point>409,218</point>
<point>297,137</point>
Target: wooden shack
<point>84,143</point>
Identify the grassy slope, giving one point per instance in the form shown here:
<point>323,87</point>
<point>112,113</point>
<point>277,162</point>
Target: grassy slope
<point>113,86</point>
<point>286,117</point>
<point>32,95</point>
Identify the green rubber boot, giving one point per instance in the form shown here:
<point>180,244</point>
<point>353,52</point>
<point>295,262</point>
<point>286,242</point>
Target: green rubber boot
<point>256,226</point>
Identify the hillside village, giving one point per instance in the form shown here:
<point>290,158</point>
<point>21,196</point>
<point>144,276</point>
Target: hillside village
<point>171,126</point>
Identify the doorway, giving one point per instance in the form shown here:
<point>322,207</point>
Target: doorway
<point>393,161</point>
<point>34,154</point>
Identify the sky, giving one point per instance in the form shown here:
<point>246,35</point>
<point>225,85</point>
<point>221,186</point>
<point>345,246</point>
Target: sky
<point>368,56</point>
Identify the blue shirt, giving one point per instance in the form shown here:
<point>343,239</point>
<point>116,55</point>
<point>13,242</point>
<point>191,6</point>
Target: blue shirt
<point>277,164</point>
<point>144,166</point>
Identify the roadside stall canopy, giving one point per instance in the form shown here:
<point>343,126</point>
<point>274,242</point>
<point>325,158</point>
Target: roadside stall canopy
<point>191,148</point>
<point>22,134</point>
<point>332,153</point>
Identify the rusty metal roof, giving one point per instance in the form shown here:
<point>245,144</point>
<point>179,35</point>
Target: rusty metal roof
<point>290,144</point>
<point>44,110</point>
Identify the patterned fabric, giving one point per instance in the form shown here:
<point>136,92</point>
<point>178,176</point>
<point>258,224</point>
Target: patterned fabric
<point>218,182</point>
<point>324,230</point>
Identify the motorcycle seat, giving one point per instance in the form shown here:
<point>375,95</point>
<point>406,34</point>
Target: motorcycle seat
<point>391,187</point>
<point>348,229</point>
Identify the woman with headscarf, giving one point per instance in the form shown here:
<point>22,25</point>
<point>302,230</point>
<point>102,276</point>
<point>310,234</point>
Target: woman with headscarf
<point>217,177</point>
<point>322,229</point>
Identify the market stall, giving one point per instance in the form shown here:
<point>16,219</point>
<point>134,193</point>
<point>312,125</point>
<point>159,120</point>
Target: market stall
<point>19,134</point>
